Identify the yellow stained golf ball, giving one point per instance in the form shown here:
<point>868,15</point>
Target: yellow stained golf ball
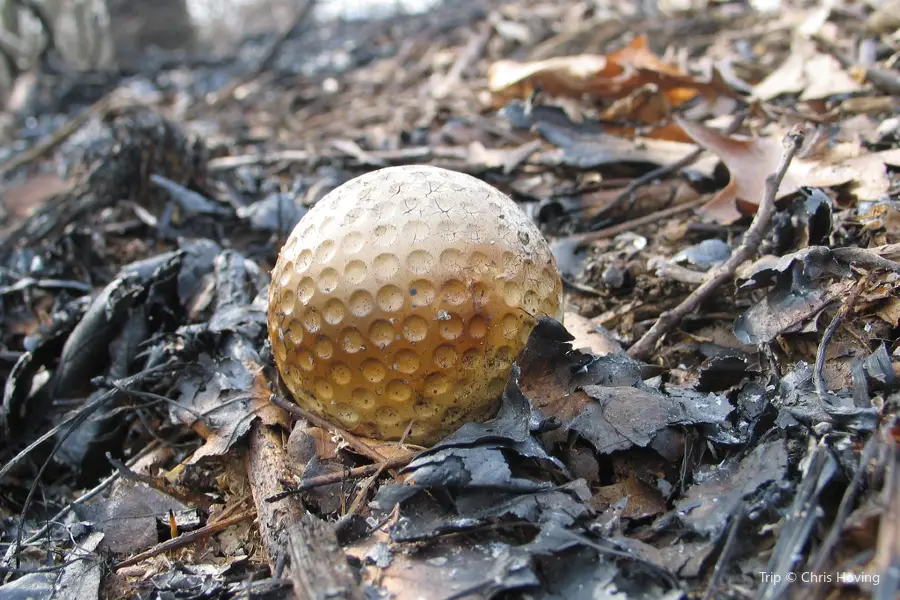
<point>405,295</point>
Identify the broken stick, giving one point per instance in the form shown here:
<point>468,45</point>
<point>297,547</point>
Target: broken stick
<point>319,568</point>
<point>668,320</point>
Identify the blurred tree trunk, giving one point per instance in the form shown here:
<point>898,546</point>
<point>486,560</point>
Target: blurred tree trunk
<point>9,15</point>
<point>137,25</point>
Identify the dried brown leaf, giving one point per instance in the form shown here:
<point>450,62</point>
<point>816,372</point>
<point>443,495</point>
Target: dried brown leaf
<point>809,73</point>
<point>751,160</point>
<point>608,77</point>
<point>640,500</point>
<point>589,335</point>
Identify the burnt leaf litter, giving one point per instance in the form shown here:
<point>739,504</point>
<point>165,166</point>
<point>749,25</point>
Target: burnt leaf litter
<point>752,453</point>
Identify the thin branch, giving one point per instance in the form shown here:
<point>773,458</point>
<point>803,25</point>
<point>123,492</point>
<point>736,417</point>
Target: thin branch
<point>668,320</point>
<point>353,441</point>
<point>81,416</point>
<point>819,371</point>
<point>317,562</point>
<point>865,258</point>
<point>186,538</point>
<point>49,143</point>
<point>737,520</point>
<point>660,172</point>
<point>570,245</point>
<point>823,553</point>
<point>77,418</point>
<point>339,476</point>
<point>367,485</point>
<point>13,548</point>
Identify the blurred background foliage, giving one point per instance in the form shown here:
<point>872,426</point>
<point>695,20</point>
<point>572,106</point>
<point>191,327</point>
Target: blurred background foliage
<point>104,34</point>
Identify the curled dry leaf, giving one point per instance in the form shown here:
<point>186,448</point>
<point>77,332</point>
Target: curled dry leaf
<point>590,336</point>
<point>750,160</point>
<point>809,73</point>
<point>609,77</point>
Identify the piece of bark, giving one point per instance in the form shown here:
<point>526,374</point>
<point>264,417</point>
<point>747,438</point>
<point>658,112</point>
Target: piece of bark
<point>319,568</point>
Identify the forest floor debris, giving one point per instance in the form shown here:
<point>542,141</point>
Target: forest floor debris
<point>716,414</point>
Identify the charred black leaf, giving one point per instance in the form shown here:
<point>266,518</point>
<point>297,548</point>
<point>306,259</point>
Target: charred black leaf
<point>816,214</point>
<point>46,347</point>
<point>128,516</point>
<point>623,417</point>
<point>800,402</point>
<point>796,297</point>
<point>721,372</point>
<point>709,504</point>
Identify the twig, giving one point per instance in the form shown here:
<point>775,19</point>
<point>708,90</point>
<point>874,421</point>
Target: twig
<point>76,419</point>
<point>670,270</point>
<point>668,320</point>
<point>353,441</point>
<point>819,370</point>
<point>289,525</point>
<point>367,485</point>
<point>186,538</point>
<point>834,533</point>
<point>471,53</point>
<point>266,467</point>
<point>339,476</point>
<point>736,522</point>
<point>660,172</point>
<point>581,239</point>
<point>319,569</point>
<point>58,517</point>
<point>161,485</point>
<point>57,137</point>
<point>83,414</point>
<point>645,179</point>
<point>865,258</point>
<point>414,153</point>
<point>886,250</point>
<point>887,548</point>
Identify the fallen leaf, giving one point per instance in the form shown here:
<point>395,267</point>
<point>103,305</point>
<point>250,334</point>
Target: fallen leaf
<point>638,499</point>
<point>422,574</point>
<point>809,73</point>
<point>608,77</point>
<point>751,160</point>
<point>888,309</point>
<point>229,395</point>
<point>589,335</point>
<point>786,79</point>
<point>583,142</point>
<point>885,18</point>
<point>128,516</point>
<point>708,505</point>
<point>620,418</point>
<point>797,295</point>
<point>827,78</point>
<point>603,398</point>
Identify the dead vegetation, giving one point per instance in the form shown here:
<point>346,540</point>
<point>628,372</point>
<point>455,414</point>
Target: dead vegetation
<point>716,417</point>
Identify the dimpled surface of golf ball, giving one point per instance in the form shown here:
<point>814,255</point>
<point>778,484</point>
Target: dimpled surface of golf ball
<point>405,295</point>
